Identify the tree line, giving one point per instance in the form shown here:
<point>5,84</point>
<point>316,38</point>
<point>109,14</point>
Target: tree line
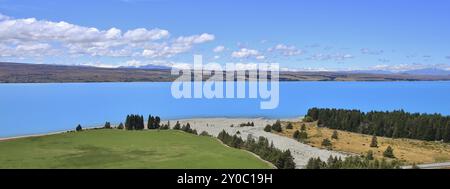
<point>352,162</point>
<point>261,147</point>
<point>395,124</point>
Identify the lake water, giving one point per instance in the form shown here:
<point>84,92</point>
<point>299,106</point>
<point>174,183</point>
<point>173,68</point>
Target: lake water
<point>40,108</point>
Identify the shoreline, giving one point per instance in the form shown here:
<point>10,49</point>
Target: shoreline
<point>3,139</point>
<point>162,121</point>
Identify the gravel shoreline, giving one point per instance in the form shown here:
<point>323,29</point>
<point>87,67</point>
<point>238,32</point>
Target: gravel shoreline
<point>301,152</point>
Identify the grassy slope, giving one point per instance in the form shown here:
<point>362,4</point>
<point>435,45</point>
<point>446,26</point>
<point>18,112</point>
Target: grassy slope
<point>406,150</point>
<point>123,149</point>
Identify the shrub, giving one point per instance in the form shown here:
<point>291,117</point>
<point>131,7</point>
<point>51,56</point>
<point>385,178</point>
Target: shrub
<point>204,133</point>
<point>308,119</point>
<point>369,155</point>
<point>335,135</point>
<point>289,126</point>
<point>303,127</point>
<point>389,152</point>
<point>327,143</point>
<point>268,128</point>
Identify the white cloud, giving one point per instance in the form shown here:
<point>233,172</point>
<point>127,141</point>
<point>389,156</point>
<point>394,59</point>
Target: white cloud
<point>142,35</point>
<point>286,50</point>
<point>30,34</point>
<point>219,49</point>
<point>28,49</point>
<point>245,53</point>
<point>180,45</point>
<point>335,57</point>
<point>195,39</point>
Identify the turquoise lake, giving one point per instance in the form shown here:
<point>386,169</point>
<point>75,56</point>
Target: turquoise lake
<point>40,108</point>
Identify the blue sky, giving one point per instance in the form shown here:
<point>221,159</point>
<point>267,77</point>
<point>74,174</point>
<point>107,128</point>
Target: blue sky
<point>302,34</point>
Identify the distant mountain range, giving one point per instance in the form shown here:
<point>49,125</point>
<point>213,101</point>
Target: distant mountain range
<point>45,73</point>
<point>425,71</point>
<point>148,67</point>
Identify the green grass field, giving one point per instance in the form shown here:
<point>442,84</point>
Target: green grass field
<point>124,149</point>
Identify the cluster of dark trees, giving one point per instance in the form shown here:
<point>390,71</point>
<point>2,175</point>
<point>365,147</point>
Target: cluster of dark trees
<point>153,122</point>
<point>248,124</point>
<point>262,148</point>
<point>274,127</point>
<point>134,122</point>
<point>301,135</point>
<point>107,125</point>
<point>396,124</point>
<point>186,128</point>
<point>165,126</point>
<point>352,162</point>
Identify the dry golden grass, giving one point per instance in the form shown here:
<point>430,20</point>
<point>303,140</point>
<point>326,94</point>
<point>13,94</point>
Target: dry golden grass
<point>406,150</point>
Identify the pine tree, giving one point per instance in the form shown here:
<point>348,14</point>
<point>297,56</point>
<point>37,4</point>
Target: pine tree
<point>277,126</point>
<point>389,152</point>
<point>303,127</point>
<point>128,123</point>
<point>177,126</point>
<point>374,142</point>
<point>120,126</point>
<point>289,126</point>
<point>79,128</point>
<point>157,122</point>
<point>150,122</point>
<point>327,143</point>
<point>107,125</point>
<point>335,135</point>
